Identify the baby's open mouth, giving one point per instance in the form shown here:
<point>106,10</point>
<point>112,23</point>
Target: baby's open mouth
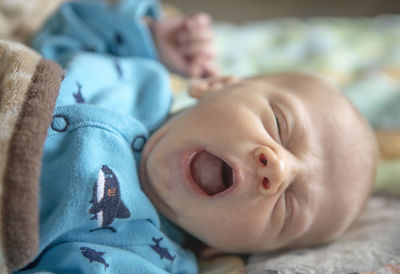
<point>212,174</point>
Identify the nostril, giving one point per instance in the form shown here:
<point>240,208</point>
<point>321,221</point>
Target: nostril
<point>263,159</point>
<point>266,183</point>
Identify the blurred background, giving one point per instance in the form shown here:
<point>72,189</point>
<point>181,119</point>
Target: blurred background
<point>240,11</point>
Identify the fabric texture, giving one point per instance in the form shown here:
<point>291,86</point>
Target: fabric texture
<point>28,88</point>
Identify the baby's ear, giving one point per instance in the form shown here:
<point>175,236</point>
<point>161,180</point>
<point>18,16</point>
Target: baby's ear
<point>199,87</point>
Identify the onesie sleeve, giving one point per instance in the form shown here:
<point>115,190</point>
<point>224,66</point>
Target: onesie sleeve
<point>98,26</point>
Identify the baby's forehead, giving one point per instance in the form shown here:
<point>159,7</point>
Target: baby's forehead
<point>325,106</point>
<point>296,81</point>
<point>317,96</point>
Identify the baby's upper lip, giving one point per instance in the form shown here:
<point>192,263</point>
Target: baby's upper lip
<point>209,174</point>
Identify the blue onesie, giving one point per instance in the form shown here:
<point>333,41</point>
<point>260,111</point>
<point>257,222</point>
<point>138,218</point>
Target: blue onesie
<point>94,217</point>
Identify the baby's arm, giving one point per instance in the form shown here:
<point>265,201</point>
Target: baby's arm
<point>97,26</point>
<point>128,28</point>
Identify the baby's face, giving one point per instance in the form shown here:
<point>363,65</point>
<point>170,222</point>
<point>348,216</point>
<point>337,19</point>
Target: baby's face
<point>266,163</point>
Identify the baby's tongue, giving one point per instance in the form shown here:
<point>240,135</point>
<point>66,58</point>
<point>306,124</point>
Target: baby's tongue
<point>206,171</point>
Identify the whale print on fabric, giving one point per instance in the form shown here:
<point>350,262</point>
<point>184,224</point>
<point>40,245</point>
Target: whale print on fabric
<point>78,95</point>
<point>106,200</point>
<point>94,256</point>
<point>162,251</point>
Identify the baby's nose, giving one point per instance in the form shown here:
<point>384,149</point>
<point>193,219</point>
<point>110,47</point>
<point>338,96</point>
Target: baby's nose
<point>274,170</point>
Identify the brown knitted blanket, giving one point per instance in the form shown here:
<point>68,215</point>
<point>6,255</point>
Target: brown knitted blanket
<point>20,18</point>
<point>28,89</point>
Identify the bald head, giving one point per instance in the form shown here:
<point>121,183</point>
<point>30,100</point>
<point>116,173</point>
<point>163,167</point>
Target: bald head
<point>348,147</point>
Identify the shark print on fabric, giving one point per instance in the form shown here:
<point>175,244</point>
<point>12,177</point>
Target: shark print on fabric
<point>78,95</point>
<point>94,256</point>
<point>162,251</point>
<point>106,200</point>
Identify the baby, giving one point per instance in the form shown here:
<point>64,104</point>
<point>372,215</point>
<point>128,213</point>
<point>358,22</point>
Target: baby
<point>269,162</point>
<point>259,164</point>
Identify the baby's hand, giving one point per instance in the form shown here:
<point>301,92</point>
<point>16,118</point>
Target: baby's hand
<point>185,44</point>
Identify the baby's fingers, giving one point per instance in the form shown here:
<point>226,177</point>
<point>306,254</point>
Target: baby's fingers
<point>196,28</point>
<point>209,69</point>
<point>198,20</point>
<point>198,49</point>
<point>202,67</point>
<point>200,35</point>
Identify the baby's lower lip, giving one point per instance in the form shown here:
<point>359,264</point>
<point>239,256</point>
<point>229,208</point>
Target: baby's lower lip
<point>186,164</point>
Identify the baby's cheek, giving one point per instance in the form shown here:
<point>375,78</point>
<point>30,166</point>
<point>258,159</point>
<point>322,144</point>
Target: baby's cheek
<point>245,229</point>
